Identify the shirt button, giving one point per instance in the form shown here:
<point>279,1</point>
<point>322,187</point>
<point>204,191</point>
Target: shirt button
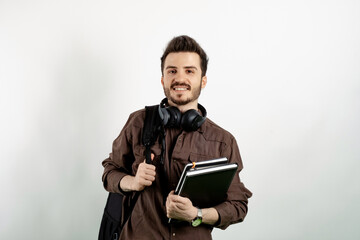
<point>173,234</point>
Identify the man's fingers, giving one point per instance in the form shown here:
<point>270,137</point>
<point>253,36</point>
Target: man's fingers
<point>145,182</point>
<point>150,171</point>
<point>147,174</point>
<point>178,199</point>
<point>144,165</point>
<point>149,178</point>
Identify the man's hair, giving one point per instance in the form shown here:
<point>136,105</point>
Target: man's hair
<point>185,44</point>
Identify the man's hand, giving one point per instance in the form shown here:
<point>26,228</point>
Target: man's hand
<point>145,175</point>
<point>180,208</point>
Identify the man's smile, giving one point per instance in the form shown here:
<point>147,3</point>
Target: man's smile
<point>182,87</point>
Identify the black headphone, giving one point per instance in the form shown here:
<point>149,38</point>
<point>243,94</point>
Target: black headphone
<point>171,116</point>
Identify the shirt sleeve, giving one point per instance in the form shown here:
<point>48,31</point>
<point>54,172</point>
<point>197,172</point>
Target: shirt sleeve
<point>235,208</point>
<point>120,160</point>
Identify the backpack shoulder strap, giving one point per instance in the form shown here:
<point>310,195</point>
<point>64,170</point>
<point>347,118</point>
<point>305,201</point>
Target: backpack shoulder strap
<point>151,129</point>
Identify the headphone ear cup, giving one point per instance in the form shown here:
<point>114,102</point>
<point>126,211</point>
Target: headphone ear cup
<point>164,115</point>
<point>190,119</point>
<point>174,117</point>
<point>171,116</point>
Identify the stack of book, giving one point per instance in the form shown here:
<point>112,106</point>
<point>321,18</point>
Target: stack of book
<point>206,183</point>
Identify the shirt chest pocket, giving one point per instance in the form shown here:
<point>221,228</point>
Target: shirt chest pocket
<point>180,163</point>
<point>198,151</point>
<point>196,157</point>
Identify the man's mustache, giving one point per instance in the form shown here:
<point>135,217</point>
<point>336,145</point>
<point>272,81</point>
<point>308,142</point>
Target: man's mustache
<point>177,84</point>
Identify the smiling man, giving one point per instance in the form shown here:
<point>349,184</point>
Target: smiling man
<point>189,137</point>
<point>182,79</point>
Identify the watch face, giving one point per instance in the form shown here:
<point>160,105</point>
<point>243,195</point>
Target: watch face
<point>196,222</point>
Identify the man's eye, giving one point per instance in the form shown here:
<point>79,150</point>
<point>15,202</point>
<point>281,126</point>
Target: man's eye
<point>172,71</point>
<point>189,71</point>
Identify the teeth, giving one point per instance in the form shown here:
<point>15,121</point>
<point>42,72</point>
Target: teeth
<point>180,89</point>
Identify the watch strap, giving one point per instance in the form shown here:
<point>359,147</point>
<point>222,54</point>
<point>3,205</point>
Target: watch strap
<point>198,220</point>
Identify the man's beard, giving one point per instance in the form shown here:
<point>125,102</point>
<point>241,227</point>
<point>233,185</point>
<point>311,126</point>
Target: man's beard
<point>195,93</point>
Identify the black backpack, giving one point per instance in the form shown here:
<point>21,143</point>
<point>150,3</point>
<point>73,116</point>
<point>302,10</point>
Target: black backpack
<point>111,224</point>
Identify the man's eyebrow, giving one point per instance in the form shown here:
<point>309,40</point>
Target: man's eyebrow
<point>192,67</point>
<point>186,67</point>
<point>167,67</point>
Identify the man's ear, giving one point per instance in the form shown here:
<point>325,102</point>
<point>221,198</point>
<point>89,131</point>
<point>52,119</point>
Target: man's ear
<point>203,82</point>
<point>162,81</point>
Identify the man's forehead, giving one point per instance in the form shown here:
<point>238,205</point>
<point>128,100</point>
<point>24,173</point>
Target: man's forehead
<point>180,59</point>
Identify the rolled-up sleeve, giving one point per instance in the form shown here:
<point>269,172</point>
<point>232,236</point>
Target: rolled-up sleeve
<point>235,208</point>
<point>119,162</point>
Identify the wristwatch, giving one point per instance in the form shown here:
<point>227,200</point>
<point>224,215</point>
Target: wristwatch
<point>198,220</point>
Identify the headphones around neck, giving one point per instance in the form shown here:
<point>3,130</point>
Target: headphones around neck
<point>171,117</point>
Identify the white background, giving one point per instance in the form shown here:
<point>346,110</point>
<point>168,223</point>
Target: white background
<point>283,77</point>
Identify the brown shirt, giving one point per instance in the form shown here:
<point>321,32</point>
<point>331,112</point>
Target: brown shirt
<point>148,219</point>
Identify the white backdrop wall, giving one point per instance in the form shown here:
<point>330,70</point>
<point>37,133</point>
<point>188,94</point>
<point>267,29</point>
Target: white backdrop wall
<point>284,78</point>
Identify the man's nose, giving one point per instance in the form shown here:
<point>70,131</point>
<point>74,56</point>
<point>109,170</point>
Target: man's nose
<point>181,76</point>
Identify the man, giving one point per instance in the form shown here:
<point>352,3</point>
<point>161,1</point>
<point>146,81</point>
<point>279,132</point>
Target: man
<point>183,66</point>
